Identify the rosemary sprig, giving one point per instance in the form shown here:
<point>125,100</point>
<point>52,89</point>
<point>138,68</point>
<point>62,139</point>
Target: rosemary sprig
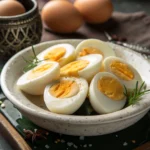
<point>31,63</point>
<point>134,96</point>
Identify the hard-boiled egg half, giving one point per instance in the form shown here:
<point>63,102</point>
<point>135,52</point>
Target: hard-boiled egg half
<point>61,53</point>
<point>106,93</point>
<point>126,73</point>
<point>35,80</point>
<point>85,67</point>
<point>94,46</point>
<point>66,95</point>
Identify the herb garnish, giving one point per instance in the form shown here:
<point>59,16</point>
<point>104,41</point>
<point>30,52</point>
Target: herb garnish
<point>134,96</point>
<point>31,63</point>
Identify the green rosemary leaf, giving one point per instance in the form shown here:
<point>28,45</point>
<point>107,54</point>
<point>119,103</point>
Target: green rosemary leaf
<point>135,95</point>
<point>141,87</point>
<point>136,89</point>
<point>32,62</point>
<point>147,90</point>
<point>144,92</point>
<point>29,67</point>
<point>27,61</point>
<point>130,99</point>
<point>35,57</point>
<point>126,92</point>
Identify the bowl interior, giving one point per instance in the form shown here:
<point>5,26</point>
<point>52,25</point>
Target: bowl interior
<point>35,104</point>
<point>28,4</point>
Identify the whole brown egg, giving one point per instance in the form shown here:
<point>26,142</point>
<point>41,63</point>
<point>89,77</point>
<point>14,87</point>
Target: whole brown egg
<point>11,8</point>
<point>95,11</point>
<point>61,16</point>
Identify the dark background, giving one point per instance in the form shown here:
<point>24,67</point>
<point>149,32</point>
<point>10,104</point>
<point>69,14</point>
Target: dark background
<point>132,5</point>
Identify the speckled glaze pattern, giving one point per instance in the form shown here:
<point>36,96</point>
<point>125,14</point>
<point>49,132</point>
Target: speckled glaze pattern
<point>34,108</point>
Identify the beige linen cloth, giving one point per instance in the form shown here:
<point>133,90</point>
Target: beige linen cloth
<point>133,26</point>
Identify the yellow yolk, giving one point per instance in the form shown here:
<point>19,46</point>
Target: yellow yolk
<point>122,70</point>
<point>89,50</point>
<point>111,88</point>
<point>72,68</point>
<point>102,68</point>
<point>56,54</point>
<point>64,89</point>
<point>38,71</point>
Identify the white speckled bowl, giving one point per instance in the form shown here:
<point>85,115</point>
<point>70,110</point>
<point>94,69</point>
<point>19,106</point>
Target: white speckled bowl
<point>34,108</point>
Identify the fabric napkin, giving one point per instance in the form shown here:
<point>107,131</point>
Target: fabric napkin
<point>133,26</point>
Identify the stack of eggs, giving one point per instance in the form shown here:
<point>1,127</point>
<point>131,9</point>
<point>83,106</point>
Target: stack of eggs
<point>62,16</point>
<point>66,76</point>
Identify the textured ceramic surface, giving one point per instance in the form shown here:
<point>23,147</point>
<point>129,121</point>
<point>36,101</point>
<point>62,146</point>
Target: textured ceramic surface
<point>18,32</point>
<point>34,108</point>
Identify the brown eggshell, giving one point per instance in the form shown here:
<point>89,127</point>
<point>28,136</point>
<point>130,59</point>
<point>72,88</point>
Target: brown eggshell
<point>95,11</point>
<point>11,8</point>
<point>61,16</point>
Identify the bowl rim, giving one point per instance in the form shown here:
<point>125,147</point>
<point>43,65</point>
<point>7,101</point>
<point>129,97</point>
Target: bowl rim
<point>125,113</point>
<point>21,15</point>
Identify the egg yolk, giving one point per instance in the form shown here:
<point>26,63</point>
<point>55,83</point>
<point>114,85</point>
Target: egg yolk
<point>111,88</point>
<point>55,54</point>
<point>102,68</point>
<point>72,68</point>
<point>90,50</point>
<point>122,70</point>
<point>64,89</point>
<point>39,71</point>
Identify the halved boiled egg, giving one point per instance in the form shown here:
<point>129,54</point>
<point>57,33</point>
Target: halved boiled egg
<point>126,73</point>
<point>61,53</point>
<point>34,81</point>
<point>94,46</point>
<point>85,67</point>
<point>106,93</point>
<point>66,95</point>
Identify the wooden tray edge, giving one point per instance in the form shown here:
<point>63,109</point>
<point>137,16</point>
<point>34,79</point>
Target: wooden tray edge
<point>11,135</point>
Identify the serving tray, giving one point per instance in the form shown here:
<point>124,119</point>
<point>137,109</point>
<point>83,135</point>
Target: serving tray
<point>12,136</point>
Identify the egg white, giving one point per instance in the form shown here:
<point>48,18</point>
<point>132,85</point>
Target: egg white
<point>66,105</point>
<point>95,43</point>
<point>100,102</point>
<point>92,68</point>
<point>129,84</point>
<point>37,85</point>
<point>68,56</point>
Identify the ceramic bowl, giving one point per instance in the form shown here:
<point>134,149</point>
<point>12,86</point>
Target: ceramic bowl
<point>34,108</point>
<point>20,31</point>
